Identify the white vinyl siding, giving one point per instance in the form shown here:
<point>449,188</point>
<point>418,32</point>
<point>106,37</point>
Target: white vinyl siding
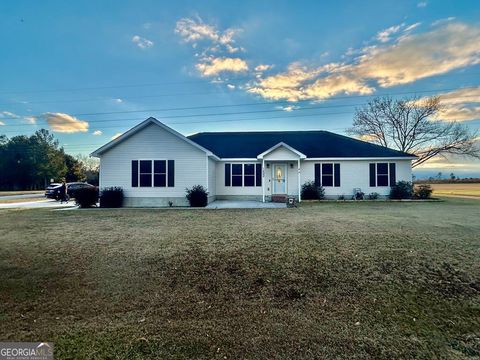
<point>153,142</point>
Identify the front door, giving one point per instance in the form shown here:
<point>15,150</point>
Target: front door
<point>279,178</point>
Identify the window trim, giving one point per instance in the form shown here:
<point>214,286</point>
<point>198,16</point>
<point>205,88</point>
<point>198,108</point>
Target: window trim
<point>152,174</point>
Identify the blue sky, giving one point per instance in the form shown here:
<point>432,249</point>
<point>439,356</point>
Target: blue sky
<point>89,70</point>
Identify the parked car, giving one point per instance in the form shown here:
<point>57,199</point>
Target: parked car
<point>74,186</point>
<point>53,190</point>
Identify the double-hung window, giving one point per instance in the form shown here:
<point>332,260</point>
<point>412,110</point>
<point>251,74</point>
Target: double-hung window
<point>382,174</point>
<point>156,173</point>
<point>327,174</point>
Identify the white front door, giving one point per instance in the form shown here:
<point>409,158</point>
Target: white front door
<point>279,178</point>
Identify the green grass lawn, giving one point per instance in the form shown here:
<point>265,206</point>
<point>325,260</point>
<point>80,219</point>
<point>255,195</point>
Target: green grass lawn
<point>330,280</point>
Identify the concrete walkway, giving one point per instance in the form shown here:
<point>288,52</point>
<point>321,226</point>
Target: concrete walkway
<point>231,204</point>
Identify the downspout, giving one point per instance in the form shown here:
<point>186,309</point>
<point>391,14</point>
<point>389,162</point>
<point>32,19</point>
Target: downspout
<point>206,157</point>
<point>299,189</point>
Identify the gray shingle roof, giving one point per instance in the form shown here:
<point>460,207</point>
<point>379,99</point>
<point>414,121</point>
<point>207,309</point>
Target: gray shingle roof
<point>314,144</point>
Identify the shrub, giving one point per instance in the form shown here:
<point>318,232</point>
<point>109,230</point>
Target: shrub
<point>359,195</point>
<point>401,190</point>
<point>373,196</point>
<point>197,196</point>
<point>310,191</point>
<point>111,197</point>
<point>341,197</point>
<point>423,191</point>
<point>86,197</point>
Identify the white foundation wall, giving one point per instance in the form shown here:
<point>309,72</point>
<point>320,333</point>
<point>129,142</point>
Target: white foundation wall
<point>154,143</point>
<point>356,174</point>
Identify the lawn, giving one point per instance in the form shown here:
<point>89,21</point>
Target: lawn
<point>331,280</point>
<point>456,190</point>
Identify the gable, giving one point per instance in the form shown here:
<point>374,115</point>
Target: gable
<point>152,133</point>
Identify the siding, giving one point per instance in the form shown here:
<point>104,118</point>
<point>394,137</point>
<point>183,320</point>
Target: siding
<point>281,153</point>
<point>152,142</point>
<point>355,174</point>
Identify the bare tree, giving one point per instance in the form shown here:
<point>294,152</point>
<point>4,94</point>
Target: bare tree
<point>407,125</point>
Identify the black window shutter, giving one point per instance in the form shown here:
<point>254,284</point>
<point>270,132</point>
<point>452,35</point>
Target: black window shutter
<point>258,174</point>
<point>317,175</point>
<point>134,173</point>
<point>393,175</point>
<point>227,174</point>
<point>171,173</point>
<point>373,175</point>
<point>336,169</point>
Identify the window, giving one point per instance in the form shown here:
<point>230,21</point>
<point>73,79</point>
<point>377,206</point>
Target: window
<point>246,175</point>
<point>249,174</point>
<point>382,174</point>
<point>145,173</point>
<point>237,174</point>
<point>327,174</point>
<point>157,173</point>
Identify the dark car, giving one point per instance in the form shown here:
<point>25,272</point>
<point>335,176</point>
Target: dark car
<point>53,190</point>
<point>74,186</point>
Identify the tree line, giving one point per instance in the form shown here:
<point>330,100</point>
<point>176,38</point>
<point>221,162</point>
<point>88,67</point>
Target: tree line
<point>31,162</point>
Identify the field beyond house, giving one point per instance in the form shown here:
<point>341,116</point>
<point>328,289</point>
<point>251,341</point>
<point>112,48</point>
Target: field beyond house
<point>332,280</point>
<point>457,189</point>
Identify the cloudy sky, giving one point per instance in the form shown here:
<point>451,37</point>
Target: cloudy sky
<point>88,71</point>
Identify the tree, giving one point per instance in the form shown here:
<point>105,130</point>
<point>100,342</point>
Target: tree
<point>407,125</point>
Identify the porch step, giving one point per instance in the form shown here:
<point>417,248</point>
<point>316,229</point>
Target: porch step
<point>279,198</point>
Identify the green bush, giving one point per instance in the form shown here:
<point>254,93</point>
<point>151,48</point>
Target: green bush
<point>423,191</point>
<point>310,191</point>
<point>197,196</point>
<point>401,190</point>
<point>111,197</point>
<point>86,197</point>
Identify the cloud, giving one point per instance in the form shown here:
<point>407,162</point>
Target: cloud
<point>422,4</point>
<point>459,105</point>
<point>97,133</point>
<point>263,67</point>
<point>384,35</point>
<point>30,119</point>
<point>409,58</point>
<point>214,66</point>
<point>116,136</point>
<point>141,42</point>
<point>231,86</point>
<point>65,123</point>
<point>9,114</point>
<point>213,47</point>
<point>2,123</point>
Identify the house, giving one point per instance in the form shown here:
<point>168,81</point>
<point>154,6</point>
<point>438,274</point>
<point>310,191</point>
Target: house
<point>154,164</point>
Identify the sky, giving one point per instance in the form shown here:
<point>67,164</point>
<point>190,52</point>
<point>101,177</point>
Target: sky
<point>90,70</point>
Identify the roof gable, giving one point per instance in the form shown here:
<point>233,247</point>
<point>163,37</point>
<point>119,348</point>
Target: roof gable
<point>141,126</point>
<point>279,146</point>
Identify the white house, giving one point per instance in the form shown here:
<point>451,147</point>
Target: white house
<point>154,164</point>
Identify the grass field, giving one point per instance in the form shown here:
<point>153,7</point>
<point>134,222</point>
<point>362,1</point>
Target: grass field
<point>332,280</point>
<point>456,190</point>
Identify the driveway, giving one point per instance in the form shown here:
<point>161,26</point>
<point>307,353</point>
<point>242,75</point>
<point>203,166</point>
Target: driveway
<point>47,203</point>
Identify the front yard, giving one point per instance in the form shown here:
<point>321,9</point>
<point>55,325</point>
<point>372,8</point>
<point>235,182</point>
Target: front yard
<point>345,280</point>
